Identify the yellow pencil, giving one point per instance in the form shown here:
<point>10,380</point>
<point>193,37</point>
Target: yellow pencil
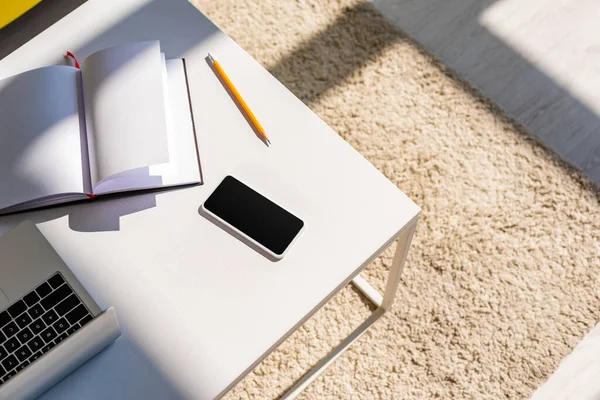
<point>238,97</point>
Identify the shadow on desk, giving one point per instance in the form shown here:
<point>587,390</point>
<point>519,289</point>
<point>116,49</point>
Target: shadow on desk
<point>103,214</point>
<point>98,215</point>
<point>107,375</point>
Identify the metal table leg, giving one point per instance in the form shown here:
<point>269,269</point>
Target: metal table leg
<point>383,303</point>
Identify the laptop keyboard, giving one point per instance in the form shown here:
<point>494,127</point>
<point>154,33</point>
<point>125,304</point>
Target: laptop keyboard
<point>37,322</point>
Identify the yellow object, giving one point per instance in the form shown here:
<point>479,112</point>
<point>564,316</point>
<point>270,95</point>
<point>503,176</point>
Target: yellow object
<point>11,9</point>
<point>238,97</point>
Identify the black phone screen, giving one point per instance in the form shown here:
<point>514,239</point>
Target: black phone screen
<point>254,215</point>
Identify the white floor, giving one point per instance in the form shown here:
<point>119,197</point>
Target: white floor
<point>578,376</point>
<point>539,60</point>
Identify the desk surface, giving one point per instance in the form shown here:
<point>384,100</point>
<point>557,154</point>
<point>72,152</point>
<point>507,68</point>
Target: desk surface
<point>198,308</point>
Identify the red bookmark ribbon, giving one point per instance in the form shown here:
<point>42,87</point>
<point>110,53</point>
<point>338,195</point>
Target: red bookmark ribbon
<point>69,54</point>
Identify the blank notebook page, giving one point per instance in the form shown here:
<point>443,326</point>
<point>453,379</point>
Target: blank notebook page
<point>125,113</point>
<point>182,167</point>
<point>40,135</point>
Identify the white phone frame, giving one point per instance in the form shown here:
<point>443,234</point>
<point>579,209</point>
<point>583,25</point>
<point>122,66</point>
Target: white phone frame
<point>244,237</point>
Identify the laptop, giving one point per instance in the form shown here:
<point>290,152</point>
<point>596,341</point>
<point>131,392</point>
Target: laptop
<point>49,324</point>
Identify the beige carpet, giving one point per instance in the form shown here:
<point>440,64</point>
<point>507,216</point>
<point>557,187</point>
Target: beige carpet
<point>503,277</point>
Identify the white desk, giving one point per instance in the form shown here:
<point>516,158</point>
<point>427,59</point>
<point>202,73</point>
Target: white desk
<point>198,308</point>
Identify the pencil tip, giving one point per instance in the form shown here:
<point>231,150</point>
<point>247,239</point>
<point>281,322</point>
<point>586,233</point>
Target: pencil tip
<point>210,57</point>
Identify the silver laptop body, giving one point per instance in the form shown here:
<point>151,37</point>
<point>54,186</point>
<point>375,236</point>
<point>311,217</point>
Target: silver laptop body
<point>49,324</point>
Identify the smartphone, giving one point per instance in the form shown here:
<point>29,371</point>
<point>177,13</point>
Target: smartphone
<point>253,217</point>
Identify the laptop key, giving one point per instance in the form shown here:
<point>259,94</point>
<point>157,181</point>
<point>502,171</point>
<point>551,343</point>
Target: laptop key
<point>2,371</point>
<point>48,335</point>
<point>35,356</point>
<point>23,320</point>
<point>50,317</point>
<point>48,347</point>
<point>31,298</point>
<point>56,281</point>
<point>25,335</point>
<point>85,320</point>
<point>37,326</point>
<point>72,330</point>
<point>4,318</point>
<point>36,311</point>
<point>22,366</point>
<point>55,297</point>
<point>12,344</point>
<point>3,353</point>
<point>35,344</point>
<point>10,329</point>
<point>9,362</point>
<point>23,353</point>
<point>76,314</point>
<point>61,338</point>
<point>2,337</point>
<point>9,375</point>
<point>17,308</point>
<point>43,290</point>
<point>67,305</point>
<point>61,325</point>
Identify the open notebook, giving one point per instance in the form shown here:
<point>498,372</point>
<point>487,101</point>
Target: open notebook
<point>122,122</point>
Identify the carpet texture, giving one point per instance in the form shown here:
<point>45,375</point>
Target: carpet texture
<point>503,277</point>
